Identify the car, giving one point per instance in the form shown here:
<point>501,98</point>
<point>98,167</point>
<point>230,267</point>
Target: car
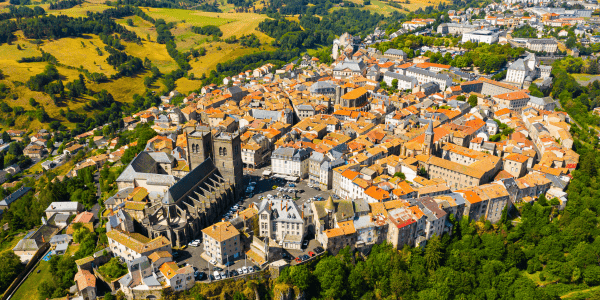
<point>183,247</point>
<point>253,183</point>
<point>305,257</point>
<point>239,270</point>
<point>223,274</point>
<point>280,243</point>
<point>298,259</point>
<point>250,269</point>
<point>245,270</point>
<point>216,275</point>
<point>218,269</point>
<point>175,254</point>
<point>312,254</point>
<point>286,256</point>
<point>199,275</point>
<point>233,273</point>
<point>256,269</point>
<point>319,250</point>
<point>194,244</point>
<point>305,243</point>
<point>291,185</point>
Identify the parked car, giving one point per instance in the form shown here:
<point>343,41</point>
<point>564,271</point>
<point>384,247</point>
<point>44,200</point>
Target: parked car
<point>305,243</point>
<point>256,268</point>
<point>218,269</point>
<point>319,250</point>
<point>216,275</point>
<point>305,257</point>
<point>291,185</point>
<point>240,271</point>
<point>286,256</point>
<point>312,254</point>
<point>245,270</point>
<point>298,259</point>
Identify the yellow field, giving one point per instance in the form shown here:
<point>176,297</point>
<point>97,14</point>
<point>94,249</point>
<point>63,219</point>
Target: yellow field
<point>77,11</point>
<point>381,7</point>
<point>80,51</point>
<point>156,53</point>
<point>140,26</point>
<point>209,62</point>
<point>231,23</point>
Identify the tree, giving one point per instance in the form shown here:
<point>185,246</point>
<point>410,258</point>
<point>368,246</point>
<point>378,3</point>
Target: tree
<point>400,174</point>
<point>332,274</point>
<point>591,275</point>
<point>395,84</point>
<point>6,137</point>
<point>473,100</point>
<point>433,253</point>
<point>10,266</point>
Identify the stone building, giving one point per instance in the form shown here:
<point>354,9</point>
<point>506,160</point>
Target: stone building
<point>197,199</point>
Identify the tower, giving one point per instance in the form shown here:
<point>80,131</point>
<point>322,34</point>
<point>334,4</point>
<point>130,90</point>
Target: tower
<point>199,146</point>
<point>429,138</point>
<point>227,150</point>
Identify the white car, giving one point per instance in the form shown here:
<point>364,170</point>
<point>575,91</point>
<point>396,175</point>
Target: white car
<point>245,270</point>
<point>240,272</point>
<point>194,244</point>
<point>216,275</point>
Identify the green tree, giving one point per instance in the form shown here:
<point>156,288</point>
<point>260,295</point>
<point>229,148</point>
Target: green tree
<point>472,100</point>
<point>332,274</point>
<point>10,266</point>
<point>433,253</point>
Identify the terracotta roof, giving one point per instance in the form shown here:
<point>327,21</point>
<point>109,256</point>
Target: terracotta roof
<point>355,93</point>
<point>221,231</point>
<point>85,279</point>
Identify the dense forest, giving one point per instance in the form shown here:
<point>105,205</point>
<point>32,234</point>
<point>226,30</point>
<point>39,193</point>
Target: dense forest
<point>313,31</point>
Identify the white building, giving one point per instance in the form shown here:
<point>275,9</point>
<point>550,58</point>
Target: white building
<point>290,162</point>
<point>425,76</point>
<point>282,220</point>
<point>404,82</point>
<point>527,70</point>
<point>481,36</point>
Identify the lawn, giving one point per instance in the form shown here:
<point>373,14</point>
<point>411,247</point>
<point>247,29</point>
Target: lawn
<point>29,289</point>
<point>156,53</point>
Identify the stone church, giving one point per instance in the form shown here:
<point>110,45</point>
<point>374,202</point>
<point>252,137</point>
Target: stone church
<point>205,193</point>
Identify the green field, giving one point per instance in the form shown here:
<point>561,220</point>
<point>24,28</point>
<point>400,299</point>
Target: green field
<point>29,289</point>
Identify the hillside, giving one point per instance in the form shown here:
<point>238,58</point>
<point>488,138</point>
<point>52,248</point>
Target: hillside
<point>87,52</point>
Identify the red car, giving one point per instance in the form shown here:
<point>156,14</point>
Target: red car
<point>312,254</point>
<point>298,260</point>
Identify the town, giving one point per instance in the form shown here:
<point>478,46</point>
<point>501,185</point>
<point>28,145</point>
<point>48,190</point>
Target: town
<point>278,166</point>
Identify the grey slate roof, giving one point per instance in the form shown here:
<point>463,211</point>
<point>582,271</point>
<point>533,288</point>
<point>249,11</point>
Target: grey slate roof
<point>394,52</point>
<point>265,114</point>
<point>177,190</point>
<point>15,196</point>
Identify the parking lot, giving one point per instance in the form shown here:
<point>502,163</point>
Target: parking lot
<point>192,255</point>
<point>265,187</point>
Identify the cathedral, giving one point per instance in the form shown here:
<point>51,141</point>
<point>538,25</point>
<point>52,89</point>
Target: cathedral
<point>196,200</point>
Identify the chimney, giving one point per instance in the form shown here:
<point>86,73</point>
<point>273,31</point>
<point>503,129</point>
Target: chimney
<point>214,227</point>
<point>281,205</point>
